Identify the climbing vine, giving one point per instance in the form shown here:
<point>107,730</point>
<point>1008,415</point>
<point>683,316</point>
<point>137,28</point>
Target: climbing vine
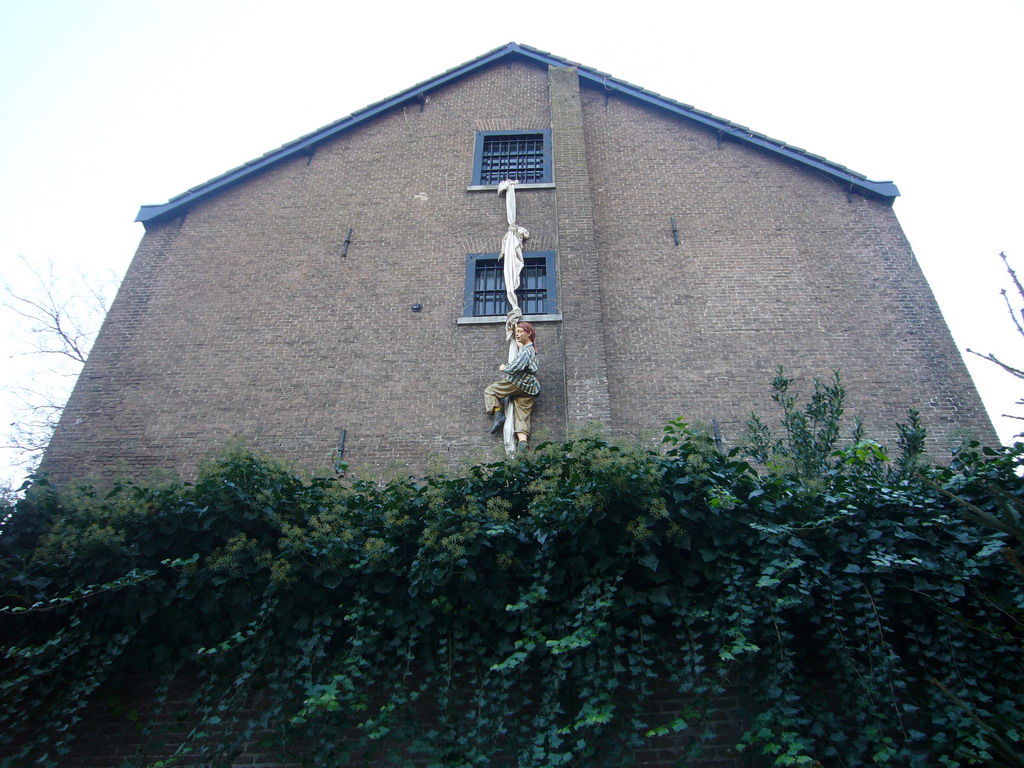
<point>526,612</point>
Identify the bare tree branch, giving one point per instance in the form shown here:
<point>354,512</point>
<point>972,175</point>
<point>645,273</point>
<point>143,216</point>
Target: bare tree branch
<point>1013,313</point>
<point>1017,318</point>
<point>1020,292</point>
<point>62,314</point>
<point>993,359</point>
<point>63,323</point>
<point>37,416</point>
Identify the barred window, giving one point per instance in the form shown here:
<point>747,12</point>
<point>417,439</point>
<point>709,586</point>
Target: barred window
<point>485,285</point>
<point>523,157</point>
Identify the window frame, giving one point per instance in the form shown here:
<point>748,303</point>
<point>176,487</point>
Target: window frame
<point>478,156</point>
<point>550,284</point>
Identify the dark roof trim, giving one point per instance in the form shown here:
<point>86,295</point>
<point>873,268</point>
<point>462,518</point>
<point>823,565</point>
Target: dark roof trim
<point>849,179</point>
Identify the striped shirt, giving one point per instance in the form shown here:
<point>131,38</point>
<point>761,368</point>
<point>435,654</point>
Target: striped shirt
<point>522,371</point>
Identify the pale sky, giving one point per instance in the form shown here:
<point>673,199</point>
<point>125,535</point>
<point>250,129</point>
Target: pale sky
<point>110,104</point>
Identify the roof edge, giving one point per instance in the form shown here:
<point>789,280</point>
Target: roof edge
<point>852,181</point>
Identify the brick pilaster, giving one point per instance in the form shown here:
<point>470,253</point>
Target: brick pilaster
<point>586,368</point>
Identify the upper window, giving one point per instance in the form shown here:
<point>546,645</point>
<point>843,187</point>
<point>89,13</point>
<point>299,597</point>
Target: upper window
<point>519,155</point>
<point>485,285</point>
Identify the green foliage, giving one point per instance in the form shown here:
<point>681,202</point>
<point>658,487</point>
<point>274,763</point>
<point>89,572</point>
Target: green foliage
<point>809,434</point>
<point>527,611</point>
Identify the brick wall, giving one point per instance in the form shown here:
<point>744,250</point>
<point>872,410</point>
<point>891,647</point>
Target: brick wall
<point>241,320</point>
<point>776,266</point>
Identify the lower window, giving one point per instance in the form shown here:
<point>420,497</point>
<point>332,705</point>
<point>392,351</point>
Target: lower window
<point>485,285</point>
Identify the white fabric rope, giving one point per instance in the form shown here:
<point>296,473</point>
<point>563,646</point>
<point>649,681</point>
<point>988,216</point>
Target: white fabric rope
<point>512,257</point>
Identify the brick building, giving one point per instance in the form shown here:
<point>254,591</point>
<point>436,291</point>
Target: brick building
<point>342,285</point>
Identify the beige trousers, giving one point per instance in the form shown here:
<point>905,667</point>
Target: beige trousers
<point>523,402</point>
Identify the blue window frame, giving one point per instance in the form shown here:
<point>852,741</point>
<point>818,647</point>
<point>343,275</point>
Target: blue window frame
<point>524,156</point>
<point>485,285</point>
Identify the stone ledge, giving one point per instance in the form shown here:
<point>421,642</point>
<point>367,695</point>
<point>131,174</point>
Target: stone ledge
<point>500,319</point>
<point>519,187</point>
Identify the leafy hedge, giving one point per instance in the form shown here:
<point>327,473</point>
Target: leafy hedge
<point>526,610</point>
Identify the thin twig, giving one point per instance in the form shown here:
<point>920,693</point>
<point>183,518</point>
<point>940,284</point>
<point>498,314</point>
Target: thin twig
<point>993,359</point>
<point>1019,287</point>
<point>888,669</point>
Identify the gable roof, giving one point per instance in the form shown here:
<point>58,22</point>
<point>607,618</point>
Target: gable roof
<point>726,130</point>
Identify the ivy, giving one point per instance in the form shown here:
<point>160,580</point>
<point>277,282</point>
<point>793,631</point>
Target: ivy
<point>869,612</point>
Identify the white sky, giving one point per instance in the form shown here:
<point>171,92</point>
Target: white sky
<point>109,104</point>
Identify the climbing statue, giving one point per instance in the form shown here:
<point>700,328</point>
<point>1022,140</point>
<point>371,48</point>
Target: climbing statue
<point>520,386</point>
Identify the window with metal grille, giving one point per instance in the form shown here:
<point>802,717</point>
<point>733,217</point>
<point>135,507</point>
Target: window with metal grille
<point>485,285</point>
<point>523,157</point>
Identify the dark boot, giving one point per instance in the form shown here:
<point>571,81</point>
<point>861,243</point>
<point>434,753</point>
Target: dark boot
<point>499,421</point>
